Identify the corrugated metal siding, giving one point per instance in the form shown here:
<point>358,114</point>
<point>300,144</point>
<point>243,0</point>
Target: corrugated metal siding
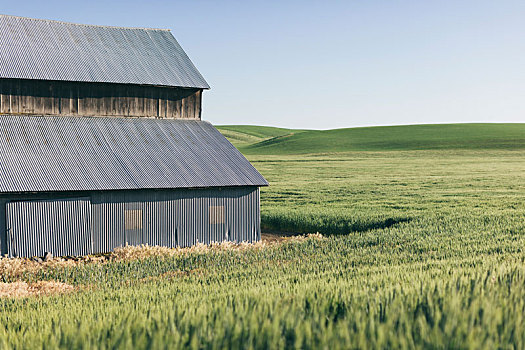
<point>171,218</point>
<point>62,227</point>
<point>176,217</point>
<point>83,154</point>
<point>52,50</point>
<point>3,231</point>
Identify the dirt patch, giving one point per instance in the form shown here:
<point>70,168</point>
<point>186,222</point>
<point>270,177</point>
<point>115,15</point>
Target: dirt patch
<point>23,289</point>
<point>281,237</point>
<point>275,237</point>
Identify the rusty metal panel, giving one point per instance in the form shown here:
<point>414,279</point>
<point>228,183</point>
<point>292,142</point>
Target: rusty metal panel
<point>52,50</point>
<point>62,227</point>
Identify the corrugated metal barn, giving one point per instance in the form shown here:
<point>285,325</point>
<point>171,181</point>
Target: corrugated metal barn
<point>101,145</point>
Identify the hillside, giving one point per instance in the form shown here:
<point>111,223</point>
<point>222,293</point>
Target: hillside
<point>245,135</point>
<point>267,140</point>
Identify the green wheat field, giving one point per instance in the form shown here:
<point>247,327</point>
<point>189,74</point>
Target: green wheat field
<point>422,246</point>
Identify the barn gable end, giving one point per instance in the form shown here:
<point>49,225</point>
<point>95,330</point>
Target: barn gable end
<point>56,68</point>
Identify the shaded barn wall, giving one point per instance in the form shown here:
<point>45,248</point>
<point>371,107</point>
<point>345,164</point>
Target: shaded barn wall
<point>171,218</point>
<point>40,97</point>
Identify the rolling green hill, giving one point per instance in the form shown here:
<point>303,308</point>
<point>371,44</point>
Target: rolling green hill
<point>244,135</point>
<point>267,140</point>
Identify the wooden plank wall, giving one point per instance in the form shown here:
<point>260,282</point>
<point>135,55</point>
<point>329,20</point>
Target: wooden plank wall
<point>97,99</point>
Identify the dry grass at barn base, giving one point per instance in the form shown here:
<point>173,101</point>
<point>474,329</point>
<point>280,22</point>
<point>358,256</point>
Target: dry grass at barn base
<point>16,268</point>
<point>144,251</point>
<point>21,289</point>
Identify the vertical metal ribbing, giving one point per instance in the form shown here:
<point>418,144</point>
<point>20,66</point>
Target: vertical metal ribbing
<point>257,211</point>
<point>108,218</point>
<point>62,227</point>
<point>168,218</point>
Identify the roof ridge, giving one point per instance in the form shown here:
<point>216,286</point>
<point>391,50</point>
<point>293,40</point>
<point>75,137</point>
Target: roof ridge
<point>93,53</point>
<point>82,24</point>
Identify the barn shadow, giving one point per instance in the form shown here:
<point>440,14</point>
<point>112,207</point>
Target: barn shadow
<point>274,230</point>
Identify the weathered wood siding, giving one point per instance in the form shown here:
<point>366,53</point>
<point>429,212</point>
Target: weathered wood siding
<point>97,99</point>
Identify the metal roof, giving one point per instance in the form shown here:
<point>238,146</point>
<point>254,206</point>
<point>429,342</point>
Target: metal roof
<point>52,50</point>
<point>80,154</point>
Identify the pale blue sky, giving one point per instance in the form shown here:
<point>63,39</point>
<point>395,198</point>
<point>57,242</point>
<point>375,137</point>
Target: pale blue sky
<point>328,64</point>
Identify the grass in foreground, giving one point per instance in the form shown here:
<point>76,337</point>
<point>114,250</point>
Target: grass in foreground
<point>449,283</point>
<point>421,249</point>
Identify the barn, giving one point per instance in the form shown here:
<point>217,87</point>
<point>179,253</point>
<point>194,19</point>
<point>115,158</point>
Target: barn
<point>102,145</point>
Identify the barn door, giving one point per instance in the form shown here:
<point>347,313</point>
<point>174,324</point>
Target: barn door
<point>62,227</point>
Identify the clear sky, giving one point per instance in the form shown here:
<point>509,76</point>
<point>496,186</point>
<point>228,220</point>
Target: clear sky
<point>329,64</point>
